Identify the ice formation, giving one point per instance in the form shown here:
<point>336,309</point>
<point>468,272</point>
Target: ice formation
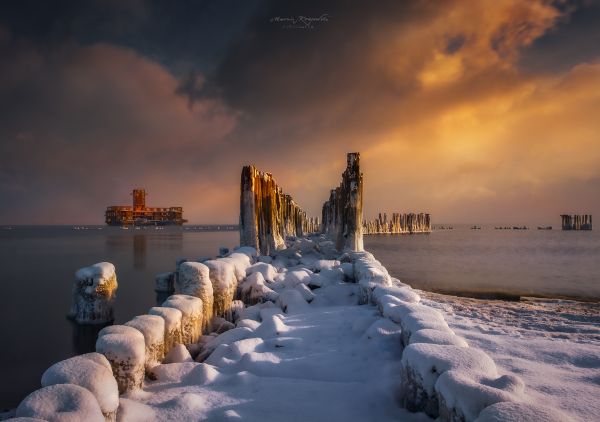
<point>254,289</point>
<point>191,320</point>
<point>194,280</point>
<point>224,285</point>
<point>91,371</point>
<point>93,294</point>
<point>172,318</point>
<point>125,349</point>
<point>61,402</point>
<point>153,329</point>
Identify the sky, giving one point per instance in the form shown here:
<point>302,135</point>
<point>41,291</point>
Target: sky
<point>474,111</point>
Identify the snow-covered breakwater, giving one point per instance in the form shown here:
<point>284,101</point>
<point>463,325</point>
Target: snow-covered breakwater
<point>436,372</point>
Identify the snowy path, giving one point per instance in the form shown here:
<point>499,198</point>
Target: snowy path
<point>324,363</point>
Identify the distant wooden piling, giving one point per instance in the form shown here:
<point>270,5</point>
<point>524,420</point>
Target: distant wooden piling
<point>398,224</point>
<point>576,222</point>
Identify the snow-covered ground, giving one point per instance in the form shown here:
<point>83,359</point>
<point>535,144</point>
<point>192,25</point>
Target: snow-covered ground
<point>554,345</point>
<point>328,361</point>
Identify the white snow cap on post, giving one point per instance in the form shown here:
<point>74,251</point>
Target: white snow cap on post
<point>93,294</point>
<point>61,402</point>
<point>194,280</point>
<point>191,320</point>
<point>125,349</point>
<point>91,371</point>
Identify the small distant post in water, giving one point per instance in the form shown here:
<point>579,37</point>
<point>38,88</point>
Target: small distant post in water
<point>93,294</point>
<point>576,222</point>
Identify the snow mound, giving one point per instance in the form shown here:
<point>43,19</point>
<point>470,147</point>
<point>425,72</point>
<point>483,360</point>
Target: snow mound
<point>521,412</point>
<point>369,274</point>
<point>191,320</point>
<point>465,396</point>
<point>413,317</point>
<point>323,264</point>
<point>271,326</point>
<point>133,411</point>
<point>254,290</point>
<point>348,270</point>
<point>61,402</point>
<point>86,371</point>
<point>226,338</point>
<point>178,354</point>
<point>422,364</point>
<point>268,271</point>
<point>240,263</point>
<point>172,319</point>
<point>405,294</point>
<point>194,280</point>
<point>306,293</point>
<point>249,251</point>
<point>291,301</point>
<point>293,278</point>
<point>224,282</point>
<point>153,329</point>
<point>383,328</point>
<point>248,323</point>
<point>428,335</point>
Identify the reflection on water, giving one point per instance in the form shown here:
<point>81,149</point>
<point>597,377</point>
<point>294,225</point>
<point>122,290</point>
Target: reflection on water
<point>139,251</point>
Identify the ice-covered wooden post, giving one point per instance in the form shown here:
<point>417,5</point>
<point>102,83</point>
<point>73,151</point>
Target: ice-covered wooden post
<point>342,214</point>
<point>193,279</point>
<point>191,321</point>
<point>125,349</point>
<point>152,328</point>
<point>172,319</point>
<point>93,294</point>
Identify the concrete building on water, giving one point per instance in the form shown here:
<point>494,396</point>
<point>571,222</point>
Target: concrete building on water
<point>140,215</point>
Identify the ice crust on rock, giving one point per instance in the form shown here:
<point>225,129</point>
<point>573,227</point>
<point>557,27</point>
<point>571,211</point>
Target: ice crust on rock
<point>423,363</point>
<point>152,328</point>
<point>463,397</point>
<point>91,371</point>
<point>521,412</point>
<point>191,316</point>
<point>125,349</point>
<point>93,293</point>
<point>194,280</point>
<point>61,402</point>
<point>172,319</point>
<point>224,284</point>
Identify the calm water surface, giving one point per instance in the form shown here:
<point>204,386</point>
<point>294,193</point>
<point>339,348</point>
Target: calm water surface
<point>37,271</point>
<point>38,265</point>
<point>521,262</point>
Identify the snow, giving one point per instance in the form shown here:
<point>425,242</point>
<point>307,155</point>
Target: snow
<point>224,284</point>
<point>467,396</point>
<point>429,361</point>
<point>125,349</point>
<point>93,294</point>
<point>172,318</point>
<point>254,289</point>
<point>521,412</point>
<point>552,344</point>
<point>153,329</point>
<point>178,354</point>
<point>292,301</point>
<point>428,335</point>
<point>268,271</point>
<point>240,262</point>
<point>191,310</point>
<point>61,402</point>
<point>194,280</point>
<point>91,371</point>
